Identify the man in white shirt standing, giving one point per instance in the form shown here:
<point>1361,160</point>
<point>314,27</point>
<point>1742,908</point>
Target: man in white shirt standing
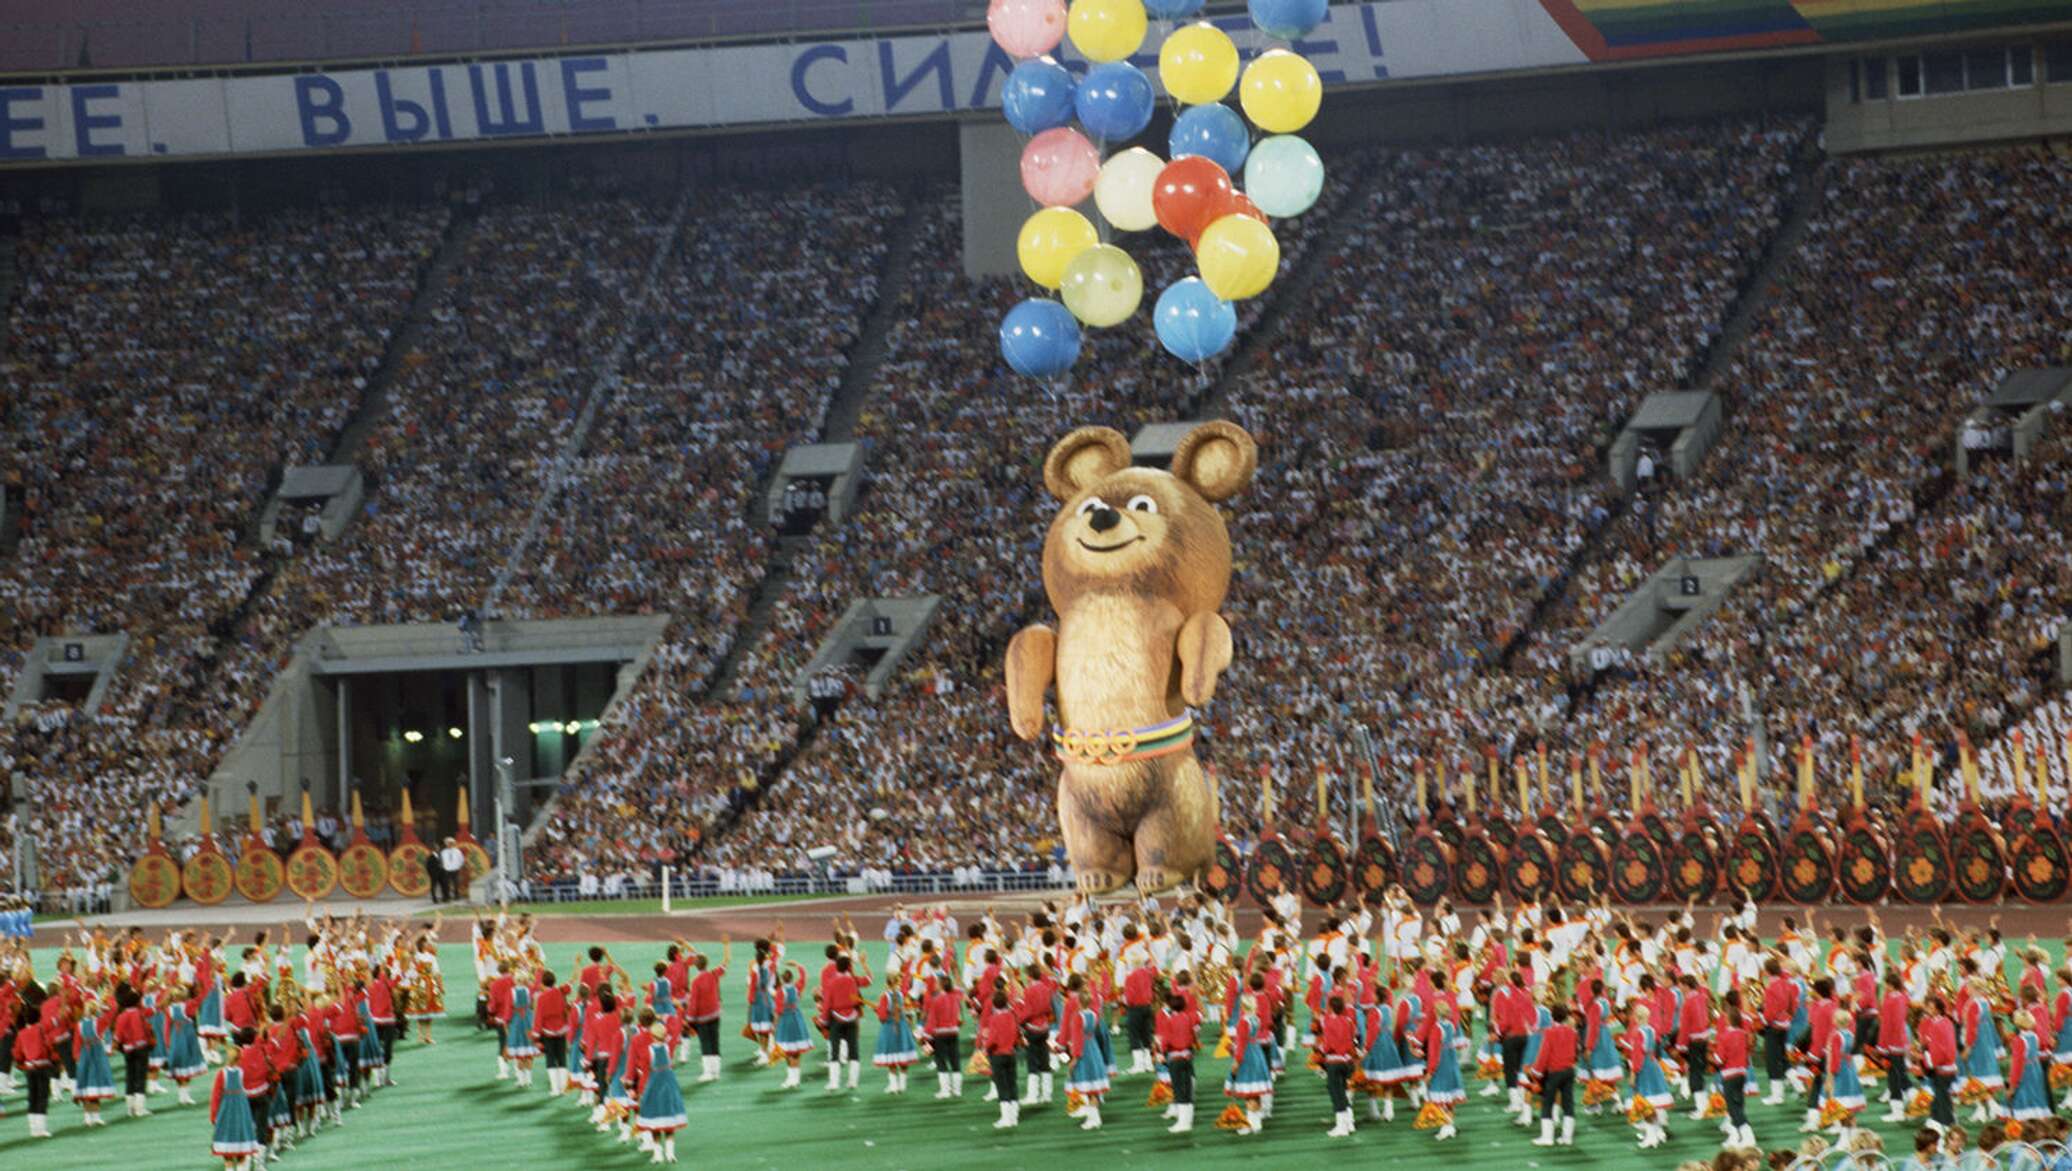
<point>455,863</point>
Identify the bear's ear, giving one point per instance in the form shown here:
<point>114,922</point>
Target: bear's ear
<point>1083,457</point>
<point>1217,458</point>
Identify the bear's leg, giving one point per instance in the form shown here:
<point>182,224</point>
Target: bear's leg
<point>1101,858</point>
<point>1176,839</point>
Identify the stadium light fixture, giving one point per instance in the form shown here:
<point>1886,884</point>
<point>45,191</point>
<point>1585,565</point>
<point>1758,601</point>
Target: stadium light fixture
<point>413,736</point>
<point>456,733</point>
<point>571,727</point>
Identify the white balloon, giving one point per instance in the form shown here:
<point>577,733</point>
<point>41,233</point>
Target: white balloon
<point>1123,191</point>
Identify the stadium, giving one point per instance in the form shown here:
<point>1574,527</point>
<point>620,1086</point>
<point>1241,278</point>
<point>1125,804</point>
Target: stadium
<point>611,580</point>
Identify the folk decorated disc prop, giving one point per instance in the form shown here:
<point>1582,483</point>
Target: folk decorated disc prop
<point>1639,873</point>
<point>1553,828</point>
<point>207,877</point>
<point>1529,867</point>
<point>312,867</point>
<point>154,878</point>
<point>1501,833</point>
<point>1585,869</point>
<point>1478,869</point>
<point>1270,870</point>
<point>2019,819</point>
<point>1449,830</point>
<point>477,857</point>
<point>2039,864</point>
<point>1693,869</point>
<point>1921,865</point>
<point>407,875</point>
<point>1806,872</point>
<point>260,874</point>
<point>362,868</point>
<point>1605,825</point>
<point>1221,879</point>
<point>1374,865</point>
<point>1978,861</point>
<point>1326,871</point>
<point>1752,862</point>
<point>1863,865</point>
<point>1427,867</point>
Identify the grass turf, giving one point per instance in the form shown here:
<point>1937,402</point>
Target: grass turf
<point>447,1111</point>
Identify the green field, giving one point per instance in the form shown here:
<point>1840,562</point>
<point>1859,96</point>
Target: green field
<point>597,907</point>
<point>447,1111</point>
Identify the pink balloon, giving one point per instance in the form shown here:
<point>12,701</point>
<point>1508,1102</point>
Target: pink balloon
<point>1059,167</point>
<point>1026,28</point>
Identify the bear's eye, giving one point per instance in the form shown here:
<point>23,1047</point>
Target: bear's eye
<point>1143,504</point>
<point>1091,503</point>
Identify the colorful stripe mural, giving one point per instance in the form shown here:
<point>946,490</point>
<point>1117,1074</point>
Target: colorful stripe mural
<point>1618,30</point>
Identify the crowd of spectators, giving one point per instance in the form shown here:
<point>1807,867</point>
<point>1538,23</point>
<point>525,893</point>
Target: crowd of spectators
<point>160,371</point>
<point>1430,532</point>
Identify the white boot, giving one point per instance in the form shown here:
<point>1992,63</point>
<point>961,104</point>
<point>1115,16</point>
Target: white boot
<point>1388,1109</point>
<point>1515,1100</point>
<point>669,1149</point>
<point>1049,1090</point>
<point>992,1093</point>
<point>1776,1095</point>
<point>1254,1122</point>
<point>1748,1137</point>
<point>1568,1130</point>
<point>708,1069</point>
<point>1006,1116</point>
<point>1266,1105</point>
<point>834,1078</point>
<point>143,1107</point>
<point>39,1126</point>
<point>1812,1123</point>
<point>1698,1107</point>
<point>942,1085</point>
<point>1546,1138</point>
<point>503,1069</point>
<point>1343,1125</point>
<point>956,1085</point>
<point>1091,1116</point>
<point>1490,1090</point>
<point>1183,1120</point>
<point>1897,1112</point>
<point>1445,1132</point>
<point>1033,1093</point>
<point>855,1073</point>
<point>791,1078</point>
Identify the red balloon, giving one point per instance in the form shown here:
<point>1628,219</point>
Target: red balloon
<point>1241,204</point>
<point>1191,193</point>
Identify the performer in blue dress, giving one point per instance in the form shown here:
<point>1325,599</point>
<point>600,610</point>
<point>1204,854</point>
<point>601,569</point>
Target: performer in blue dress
<point>1541,1021</point>
<point>1602,1064</point>
<point>1088,1074</point>
<point>1443,1087</point>
<point>1844,1089</point>
<point>1649,1083</point>
<point>661,998</point>
<point>1382,1071</point>
<point>93,1078</point>
<point>518,1043</point>
<point>895,1049</point>
<point>793,1040</point>
<point>660,1114</point>
<point>1251,1075</point>
<point>2029,1089</point>
<point>184,1058</point>
<point>373,1058</point>
<point>762,1000</point>
<point>235,1140</point>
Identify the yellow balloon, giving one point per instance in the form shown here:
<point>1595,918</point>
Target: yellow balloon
<point>1102,286</point>
<point>1197,64</point>
<point>1048,242</point>
<point>1281,92</point>
<point>1106,30</point>
<point>1238,257</point>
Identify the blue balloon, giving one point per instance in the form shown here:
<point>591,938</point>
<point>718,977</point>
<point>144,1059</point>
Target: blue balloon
<point>1039,338</point>
<point>1114,101</point>
<point>1214,131</point>
<point>1172,9</point>
<point>1037,96</point>
<point>1193,323</point>
<point>1289,20</point>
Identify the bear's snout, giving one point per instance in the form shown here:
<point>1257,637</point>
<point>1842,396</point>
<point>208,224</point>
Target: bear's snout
<point>1101,520</point>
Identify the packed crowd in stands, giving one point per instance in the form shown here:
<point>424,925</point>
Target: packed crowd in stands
<point>159,373</point>
<point>1920,285</point>
<point>1429,535</point>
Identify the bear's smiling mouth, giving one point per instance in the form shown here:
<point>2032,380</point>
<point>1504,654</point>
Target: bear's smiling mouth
<point>1108,548</point>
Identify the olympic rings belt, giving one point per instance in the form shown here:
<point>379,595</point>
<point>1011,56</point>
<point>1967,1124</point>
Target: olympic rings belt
<point>1123,746</point>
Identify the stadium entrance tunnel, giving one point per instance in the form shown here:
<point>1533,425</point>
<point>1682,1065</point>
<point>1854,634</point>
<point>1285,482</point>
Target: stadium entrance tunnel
<point>500,713</point>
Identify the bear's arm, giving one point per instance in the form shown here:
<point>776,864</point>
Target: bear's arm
<point>1204,650</point>
<point>1032,657</point>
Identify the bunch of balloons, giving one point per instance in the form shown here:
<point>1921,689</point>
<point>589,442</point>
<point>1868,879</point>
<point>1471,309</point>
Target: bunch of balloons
<point>1190,193</point>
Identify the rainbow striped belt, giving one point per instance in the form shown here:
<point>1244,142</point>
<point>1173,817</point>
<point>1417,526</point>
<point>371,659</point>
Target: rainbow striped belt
<point>1123,746</point>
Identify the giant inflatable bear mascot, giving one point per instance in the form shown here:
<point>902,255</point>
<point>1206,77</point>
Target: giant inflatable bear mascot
<point>1136,565</point>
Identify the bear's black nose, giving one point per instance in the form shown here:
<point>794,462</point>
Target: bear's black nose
<point>1103,519</point>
